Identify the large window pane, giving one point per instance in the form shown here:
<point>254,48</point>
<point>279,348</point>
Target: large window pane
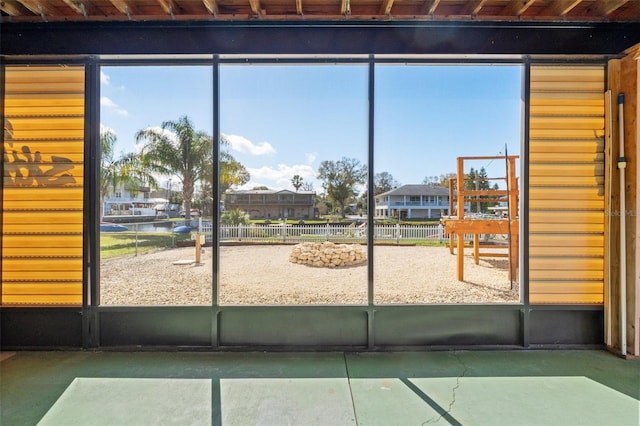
<point>300,133</point>
<point>156,174</point>
<point>426,119</point>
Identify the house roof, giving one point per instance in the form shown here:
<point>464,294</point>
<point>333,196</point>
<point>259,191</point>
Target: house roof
<point>416,190</point>
<point>277,10</point>
<point>268,191</point>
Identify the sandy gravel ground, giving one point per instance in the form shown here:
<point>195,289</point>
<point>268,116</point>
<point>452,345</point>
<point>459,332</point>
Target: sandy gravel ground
<point>262,274</point>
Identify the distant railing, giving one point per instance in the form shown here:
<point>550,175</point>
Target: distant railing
<point>419,203</point>
<point>300,233</point>
<point>236,203</point>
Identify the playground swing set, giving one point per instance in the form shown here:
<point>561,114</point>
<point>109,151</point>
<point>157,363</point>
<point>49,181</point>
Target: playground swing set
<point>505,221</point>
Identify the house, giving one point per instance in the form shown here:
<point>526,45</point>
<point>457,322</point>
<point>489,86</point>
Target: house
<point>123,201</point>
<point>415,201</point>
<point>271,204</point>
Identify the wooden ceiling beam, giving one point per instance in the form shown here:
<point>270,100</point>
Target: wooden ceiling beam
<point>555,10</point>
<point>516,8</point>
<point>125,7</point>
<point>559,7</point>
<point>607,7</point>
<point>473,7</point>
<point>256,8</point>
<point>82,7</point>
<point>631,11</point>
<point>385,8</point>
<point>345,8</point>
<point>429,7</point>
<point>13,8</point>
<point>170,7</point>
<point>212,6</point>
<point>39,7</point>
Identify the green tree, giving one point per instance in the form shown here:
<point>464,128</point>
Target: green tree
<point>177,149</point>
<point>126,171</point>
<point>471,184</point>
<point>235,217</point>
<point>297,182</point>
<point>442,180</point>
<point>383,182</point>
<point>479,180</point>
<point>340,179</point>
<point>232,173</point>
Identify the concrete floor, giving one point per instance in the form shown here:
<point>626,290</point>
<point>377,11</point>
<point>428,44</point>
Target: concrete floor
<point>581,387</point>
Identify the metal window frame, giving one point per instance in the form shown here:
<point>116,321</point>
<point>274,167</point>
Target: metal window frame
<point>366,327</point>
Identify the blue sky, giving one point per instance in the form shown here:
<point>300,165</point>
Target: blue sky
<point>284,120</point>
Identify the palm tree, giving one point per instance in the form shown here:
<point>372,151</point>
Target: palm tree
<point>177,149</point>
<point>297,182</point>
<point>232,172</point>
<point>126,171</point>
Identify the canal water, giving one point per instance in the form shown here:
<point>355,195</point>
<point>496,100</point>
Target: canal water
<point>157,227</point>
<point>161,227</point>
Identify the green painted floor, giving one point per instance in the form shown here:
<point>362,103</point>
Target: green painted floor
<point>581,387</point>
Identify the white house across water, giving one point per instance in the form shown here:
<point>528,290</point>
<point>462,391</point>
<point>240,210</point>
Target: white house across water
<point>416,201</point>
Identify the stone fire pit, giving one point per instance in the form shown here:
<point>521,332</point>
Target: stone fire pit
<point>328,255</point>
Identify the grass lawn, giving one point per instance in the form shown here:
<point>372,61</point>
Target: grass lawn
<point>128,243</point>
<point>116,244</point>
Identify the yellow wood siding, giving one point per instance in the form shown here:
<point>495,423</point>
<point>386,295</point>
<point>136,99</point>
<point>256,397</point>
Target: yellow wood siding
<point>42,188</point>
<point>566,185</point>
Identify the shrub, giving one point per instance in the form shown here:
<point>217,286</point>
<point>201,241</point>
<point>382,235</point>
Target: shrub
<point>235,217</point>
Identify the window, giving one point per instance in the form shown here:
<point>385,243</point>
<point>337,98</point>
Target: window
<point>147,254</point>
<point>417,146</point>
<point>289,134</point>
<point>287,125</point>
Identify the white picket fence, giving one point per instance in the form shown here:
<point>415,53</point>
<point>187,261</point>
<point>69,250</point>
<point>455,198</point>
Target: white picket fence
<point>301,233</point>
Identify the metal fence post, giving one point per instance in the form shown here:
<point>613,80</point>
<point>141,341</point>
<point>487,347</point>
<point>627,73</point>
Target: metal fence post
<point>136,228</point>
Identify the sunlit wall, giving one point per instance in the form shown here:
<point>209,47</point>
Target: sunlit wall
<point>42,193</point>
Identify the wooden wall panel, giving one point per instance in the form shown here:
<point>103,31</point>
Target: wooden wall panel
<point>42,187</point>
<point>567,177</point>
<point>624,77</point>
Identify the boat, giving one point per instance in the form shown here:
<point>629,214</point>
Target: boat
<point>182,229</point>
<point>112,227</point>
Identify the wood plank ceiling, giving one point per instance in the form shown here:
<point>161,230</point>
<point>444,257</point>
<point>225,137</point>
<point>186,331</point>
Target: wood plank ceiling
<point>431,10</point>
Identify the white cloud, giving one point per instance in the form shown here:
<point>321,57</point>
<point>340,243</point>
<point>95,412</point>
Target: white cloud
<point>108,103</point>
<point>280,176</point>
<point>106,129</point>
<point>311,157</point>
<point>104,78</point>
<point>244,145</point>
